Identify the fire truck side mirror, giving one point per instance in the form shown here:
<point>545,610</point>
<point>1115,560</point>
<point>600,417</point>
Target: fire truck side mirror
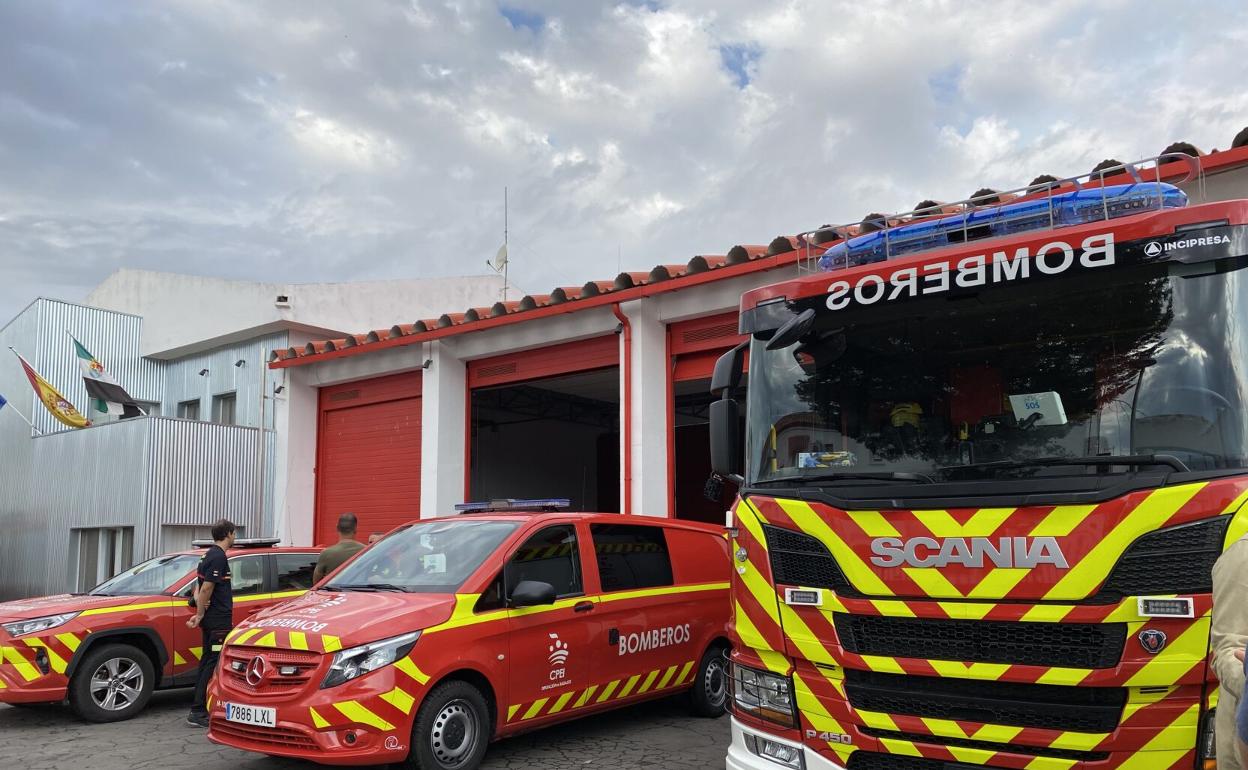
<point>726,377</point>
<point>726,446</point>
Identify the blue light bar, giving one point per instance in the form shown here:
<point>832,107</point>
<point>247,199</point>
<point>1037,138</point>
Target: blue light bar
<point>512,504</point>
<point>1060,210</point>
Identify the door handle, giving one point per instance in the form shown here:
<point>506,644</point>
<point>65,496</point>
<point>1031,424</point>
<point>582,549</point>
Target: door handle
<point>583,607</point>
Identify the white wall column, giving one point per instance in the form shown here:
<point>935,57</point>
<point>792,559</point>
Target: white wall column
<point>651,466</point>
<point>294,472</point>
<point>444,405</point>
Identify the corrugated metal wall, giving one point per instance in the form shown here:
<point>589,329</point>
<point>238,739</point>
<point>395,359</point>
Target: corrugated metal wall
<point>184,383</point>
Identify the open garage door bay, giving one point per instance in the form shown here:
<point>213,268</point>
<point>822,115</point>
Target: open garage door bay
<point>368,454</point>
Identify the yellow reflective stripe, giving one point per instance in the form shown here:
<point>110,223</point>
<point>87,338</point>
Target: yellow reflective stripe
<point>535,708</point>
<point>873,524</point>
<point>684,672</point>
<point>563,701</point>
<point>400,699</point>
<point>1172,662</point>
<point>132,608</point>
<point>57,662</point>
<point>932,582</point>
<point>266,597</point>
<point>628,687</point>
<point>357,713</point>
<point>998,582</point>
<point>982,523</point>
<point>585,696</point>
<point>69,640</point>
<point>408,667</point>
<point>1169,745</point>
<point>298,640</point>
<point>1062,520</point>
<point>860,575</point>
<point>813,710</point>
<point>958,670</point>
<point>751,522</point>
<point>878,720</point>
<point>751,637</point>
<point>645,686</point>
<point>198,652</point>
<point>667,677</point>
<point>805,640</point>
<point>245,635</point>
<point>268,640</point>
<point>317,720</point>
<point>20,664</point>
<point>178,660</point>
<point>331,643</point>
<point>1150,514</point>
<point>606,693</point>
<point>2,684</point>
<point>511,711</point>
<point>665,591</point>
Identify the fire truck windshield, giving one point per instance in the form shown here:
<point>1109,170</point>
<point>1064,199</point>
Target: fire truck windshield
<point>431,557</point>
<point>1013,382</point>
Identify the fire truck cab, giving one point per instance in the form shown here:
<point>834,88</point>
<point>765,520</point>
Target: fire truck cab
<point>990,461</point>
<point>453,632</point>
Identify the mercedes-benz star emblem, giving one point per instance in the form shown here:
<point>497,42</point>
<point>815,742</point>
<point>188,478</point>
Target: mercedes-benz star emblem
<point>1152,249</point>
<point>255,671</point>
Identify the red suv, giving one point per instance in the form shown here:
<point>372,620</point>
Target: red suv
<point>107,650</point>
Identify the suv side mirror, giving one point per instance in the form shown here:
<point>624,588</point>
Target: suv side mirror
<point>532,593</point>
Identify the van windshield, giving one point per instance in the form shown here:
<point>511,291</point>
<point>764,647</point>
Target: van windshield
<point>431,557</point>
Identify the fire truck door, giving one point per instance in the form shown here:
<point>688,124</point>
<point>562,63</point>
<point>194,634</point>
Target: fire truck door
<point>550,644</point>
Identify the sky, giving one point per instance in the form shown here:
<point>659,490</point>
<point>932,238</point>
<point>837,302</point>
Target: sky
<point>310,141</point>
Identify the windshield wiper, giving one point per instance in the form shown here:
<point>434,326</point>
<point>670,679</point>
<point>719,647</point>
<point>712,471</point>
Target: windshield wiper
<point>921,478</point>
<point>372,587</point>
<point>1094,460</point>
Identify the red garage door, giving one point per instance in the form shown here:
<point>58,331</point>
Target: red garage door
<point>368,454</point>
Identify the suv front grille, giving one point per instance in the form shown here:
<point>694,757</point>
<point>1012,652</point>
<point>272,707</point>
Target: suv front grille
<point>797,559</point>
<point>1049,707</point>
<point>968,743</point>
<point>1073,645</point>
<point>1177,560</point>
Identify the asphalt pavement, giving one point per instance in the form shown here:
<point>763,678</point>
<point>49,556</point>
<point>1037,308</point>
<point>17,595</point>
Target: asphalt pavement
<point>659,735</point>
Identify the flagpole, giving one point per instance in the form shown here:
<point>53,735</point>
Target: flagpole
<point>10,403</point>
<point>507,261</point>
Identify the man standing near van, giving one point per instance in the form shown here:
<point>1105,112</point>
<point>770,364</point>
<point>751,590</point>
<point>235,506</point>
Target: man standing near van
<point>214,613</point>
<point>347,546</point>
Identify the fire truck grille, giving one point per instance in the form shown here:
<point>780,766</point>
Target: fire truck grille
<point>1069,645</point>
<point>1049,707</point>
<point>874,760</point>
<point>1175,560</point>
<point>800,560</point>
<point>967,743</point>
<point>273,736</point>
<point>287,671</point>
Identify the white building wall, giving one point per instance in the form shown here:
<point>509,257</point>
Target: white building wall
<point>444,404</point>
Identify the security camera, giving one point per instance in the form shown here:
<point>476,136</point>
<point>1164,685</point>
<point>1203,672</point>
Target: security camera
<point>203,372</point>
<point>240,362</point>
<point>278,389</point>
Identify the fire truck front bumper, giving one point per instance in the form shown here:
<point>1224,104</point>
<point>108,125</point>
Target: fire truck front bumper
<point>753,749</point>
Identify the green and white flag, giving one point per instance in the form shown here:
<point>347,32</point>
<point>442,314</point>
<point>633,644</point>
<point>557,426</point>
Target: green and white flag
<point>106,395</point>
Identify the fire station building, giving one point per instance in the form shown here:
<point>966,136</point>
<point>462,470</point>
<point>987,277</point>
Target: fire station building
<point>597,393</point>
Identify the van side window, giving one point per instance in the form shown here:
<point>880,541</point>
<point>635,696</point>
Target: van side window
<point>631,556</point>
<point>550,556</point>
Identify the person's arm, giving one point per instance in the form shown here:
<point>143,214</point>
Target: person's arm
<point>319,571</point>
<point>1228,629</point>
<point>201,603</point>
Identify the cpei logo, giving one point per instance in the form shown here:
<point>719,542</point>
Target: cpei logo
<point>558,651</point>
<point>1152,249</point>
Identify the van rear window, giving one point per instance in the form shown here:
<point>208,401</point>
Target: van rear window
<point>631,556</point>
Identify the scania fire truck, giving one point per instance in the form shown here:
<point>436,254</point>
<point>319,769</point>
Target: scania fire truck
<point>990,456</point>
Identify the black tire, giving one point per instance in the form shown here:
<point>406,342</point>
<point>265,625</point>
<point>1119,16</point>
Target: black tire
<point>452,729</point>
<point>111,683</point>
<point>709,696</point>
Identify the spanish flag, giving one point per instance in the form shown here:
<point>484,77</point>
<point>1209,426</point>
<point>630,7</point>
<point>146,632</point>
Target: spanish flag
<point>57,404</point>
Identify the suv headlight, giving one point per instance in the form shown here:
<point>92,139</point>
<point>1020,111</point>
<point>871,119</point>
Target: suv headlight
<point>763,694</point>
<point>34,626</point>
<point>357,661</point>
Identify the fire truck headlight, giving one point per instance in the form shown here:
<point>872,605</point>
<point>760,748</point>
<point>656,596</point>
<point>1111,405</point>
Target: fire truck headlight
<point>357,661</point>
<point>34,626</point>
<point>763,694</point>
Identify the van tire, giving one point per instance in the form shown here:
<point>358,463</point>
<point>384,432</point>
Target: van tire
<point>130,666</point>
<point>709,696</point>
<point>452,729</point>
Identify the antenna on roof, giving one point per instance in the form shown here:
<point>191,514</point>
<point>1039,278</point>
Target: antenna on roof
<point>501,259</point>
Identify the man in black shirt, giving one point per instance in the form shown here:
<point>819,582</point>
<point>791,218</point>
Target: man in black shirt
<point>214,614</point>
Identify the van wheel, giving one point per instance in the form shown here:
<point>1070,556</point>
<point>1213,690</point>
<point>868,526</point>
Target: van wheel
<point>709,697</point>
<point>452,729</point>
<point>113,682</point>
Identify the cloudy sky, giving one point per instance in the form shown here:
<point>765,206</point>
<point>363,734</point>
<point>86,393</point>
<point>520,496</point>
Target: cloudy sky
<point>330,141</point>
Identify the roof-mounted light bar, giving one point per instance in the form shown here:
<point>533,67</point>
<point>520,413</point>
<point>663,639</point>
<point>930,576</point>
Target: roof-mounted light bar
<point>245,542</point>
<point>512,504</point>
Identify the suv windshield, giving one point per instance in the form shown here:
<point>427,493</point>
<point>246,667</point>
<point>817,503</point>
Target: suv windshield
<point>431,557</point>
<point>1042,379</point>
<point>154,576</point>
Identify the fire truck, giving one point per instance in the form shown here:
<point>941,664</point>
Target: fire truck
<point>988,457</point>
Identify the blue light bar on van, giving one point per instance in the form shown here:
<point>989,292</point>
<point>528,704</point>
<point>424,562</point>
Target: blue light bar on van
<point>512,504</point>
<point>1059,210</point>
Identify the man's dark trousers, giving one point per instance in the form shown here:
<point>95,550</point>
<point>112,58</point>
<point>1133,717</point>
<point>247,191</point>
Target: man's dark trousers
<point>213,639</point>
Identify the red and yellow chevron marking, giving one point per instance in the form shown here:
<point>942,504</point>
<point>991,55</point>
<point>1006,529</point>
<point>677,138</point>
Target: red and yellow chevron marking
<point>756,611</point>
<point>280,638</point>
<point>571,700</point>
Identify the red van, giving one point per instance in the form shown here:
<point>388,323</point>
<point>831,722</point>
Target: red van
<point>450,633</point>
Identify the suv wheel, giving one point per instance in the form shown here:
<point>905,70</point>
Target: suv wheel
<point>452,729</point>
<point>113,682</point>
<point>709,697</point>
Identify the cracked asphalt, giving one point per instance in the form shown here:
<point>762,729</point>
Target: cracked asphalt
<point>659,734</point>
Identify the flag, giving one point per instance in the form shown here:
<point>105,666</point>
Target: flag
<point>500,259</point>
<point>2,402</point>
<point>57,404</point>
<point>105,394</point>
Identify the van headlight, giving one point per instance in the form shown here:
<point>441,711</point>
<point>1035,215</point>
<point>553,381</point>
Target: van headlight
<point>763,694</point>
<point>358,661</point>
<point>35,625</point>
